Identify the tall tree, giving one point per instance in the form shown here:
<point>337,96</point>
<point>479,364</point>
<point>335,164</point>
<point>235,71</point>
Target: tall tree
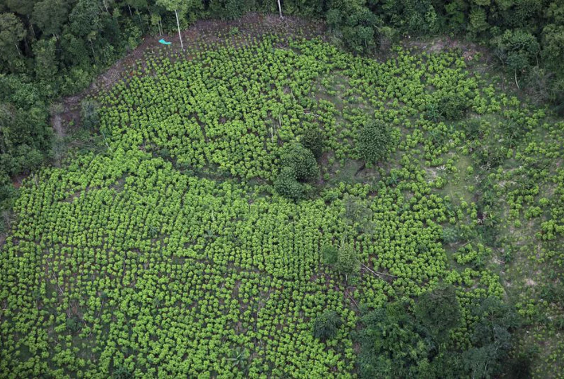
<point>50,16</point>
<point>12,32</point>
<point>85,21</point>
<point>175,6</point>
<point>45,59</point>
<point>85,18</point>
<point>23,7</point>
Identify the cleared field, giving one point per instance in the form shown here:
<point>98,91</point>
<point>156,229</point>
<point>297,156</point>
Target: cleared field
<point>170,253</point>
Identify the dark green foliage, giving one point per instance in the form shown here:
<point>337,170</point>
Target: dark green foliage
<point>450,235</point>
<point>287,185</point>
<point>517,49</point>
<point>50,16</point>
<point>326,325</point>
<point>414,17</point>
<point>520,366</point>
<point>73,324</point>
<point>122,372</point>
<point>344,259</point>
<point>491,338</point>
<point>85,18</point>
<point>393,344</point>
<point>297,165</point>
<point>313,140</point>
<point>452,107</point>
<point>45,59</point>
<point>355,24</point>
<point>301,161</point>
<point>439,311</point>
<point>374,141</point>
<point>12,32</point>
<point>329,254</point>
<point>471,128</point>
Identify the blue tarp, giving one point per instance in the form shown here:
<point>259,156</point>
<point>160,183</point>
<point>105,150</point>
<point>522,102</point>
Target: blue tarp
<point>164,42</point>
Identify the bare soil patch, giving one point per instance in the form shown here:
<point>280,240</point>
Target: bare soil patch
<point>469,49</point>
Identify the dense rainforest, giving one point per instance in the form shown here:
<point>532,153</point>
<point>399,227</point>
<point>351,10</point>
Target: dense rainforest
<point>322,188</point>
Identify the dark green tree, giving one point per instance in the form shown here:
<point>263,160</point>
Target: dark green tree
<point>393,344</point>
<point>12,32</point>
<point>439,311</point>
<point>300,160</point>
<point>50,16</point>
<point>491,338</point>
<point>287,185</point>
<point>326,325</point>
<point>313,140</point>
<point>45,59</point>
<point>374,141</point>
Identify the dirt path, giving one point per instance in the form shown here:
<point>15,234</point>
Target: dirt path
<point>57,124</point>
<point>207,31</point>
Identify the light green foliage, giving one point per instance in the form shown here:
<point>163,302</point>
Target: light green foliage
<point>170,253</point>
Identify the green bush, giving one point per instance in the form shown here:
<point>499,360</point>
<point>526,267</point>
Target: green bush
<point>301,161</point>
<point>313,140</point>
<point>326,325</point>
<point>286,184</point>
<point>329,254</point>
<point>374,141</point>
<point>453,107</point>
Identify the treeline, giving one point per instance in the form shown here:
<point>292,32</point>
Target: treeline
<point>52,48</point>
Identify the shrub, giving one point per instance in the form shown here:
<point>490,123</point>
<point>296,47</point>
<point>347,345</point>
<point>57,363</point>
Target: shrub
<point>89,114</point>
<point>313,140</point>
<point>453,107</point>
<point>326,325</point>
<point>301,161</point>
<point>122,372</point>
<point>287,185</point>
<point>347,260</point>
<point>329,254</point>
<point>373,141</point>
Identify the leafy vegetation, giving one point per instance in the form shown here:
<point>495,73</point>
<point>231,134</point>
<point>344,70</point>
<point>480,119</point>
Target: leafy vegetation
<point>227,226</point>
<point>374,142</point>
